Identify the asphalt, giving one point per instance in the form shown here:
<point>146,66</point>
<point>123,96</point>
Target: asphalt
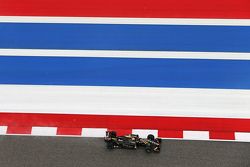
<point>27,151</point>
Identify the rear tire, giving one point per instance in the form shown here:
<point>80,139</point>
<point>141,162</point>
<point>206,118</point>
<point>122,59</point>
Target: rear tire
<point>148,149</point>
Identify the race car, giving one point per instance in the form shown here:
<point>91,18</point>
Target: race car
<point>132,141</point>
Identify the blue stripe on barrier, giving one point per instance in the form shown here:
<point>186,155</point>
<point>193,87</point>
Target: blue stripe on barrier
<point>125,37</point>
<point>182,73</point>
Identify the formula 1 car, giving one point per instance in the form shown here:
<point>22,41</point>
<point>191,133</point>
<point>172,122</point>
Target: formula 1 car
<point>132,141</point>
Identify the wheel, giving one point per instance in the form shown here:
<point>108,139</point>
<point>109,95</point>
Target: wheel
<point>148,149</point>
<point>151,137</point>
<point>110,145</point>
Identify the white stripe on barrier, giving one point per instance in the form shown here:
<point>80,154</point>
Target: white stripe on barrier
<point>124,54</point>
<point>139,101</point>
<point>196,135</point>
<point>3,130</point>
<point>93,132</point>
<point>115,20</point>
<point>44,131</point>
<point>242,136</point>
<point>143,133</point>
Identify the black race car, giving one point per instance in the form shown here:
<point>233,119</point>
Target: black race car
<point>132,141</point>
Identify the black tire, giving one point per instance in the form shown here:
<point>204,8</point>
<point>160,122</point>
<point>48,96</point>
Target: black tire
<point>110,145</point>
<point>148,149</point>
<point>151,137</point>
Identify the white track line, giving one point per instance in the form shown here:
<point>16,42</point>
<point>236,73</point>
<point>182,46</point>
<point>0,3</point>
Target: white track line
<point>113,20</point>
<point>196,135</point>
<point>241,136</point>
<point>3,130</point>
<point>93,132</point>
<point>101,100</point>
<point>124,54</point>
<point>44,131</point>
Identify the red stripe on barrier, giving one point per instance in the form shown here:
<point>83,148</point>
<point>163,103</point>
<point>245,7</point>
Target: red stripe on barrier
<point>69,131</point>
<point>128,8</point>
<point>125,122</point>
<point>170,134</point>
<point>18,130</point>
<point>222,135</point>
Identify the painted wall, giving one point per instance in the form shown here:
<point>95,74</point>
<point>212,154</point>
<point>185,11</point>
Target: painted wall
<point>176,69</point>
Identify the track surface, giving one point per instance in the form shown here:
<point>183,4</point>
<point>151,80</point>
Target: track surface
<point>26,151</point>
